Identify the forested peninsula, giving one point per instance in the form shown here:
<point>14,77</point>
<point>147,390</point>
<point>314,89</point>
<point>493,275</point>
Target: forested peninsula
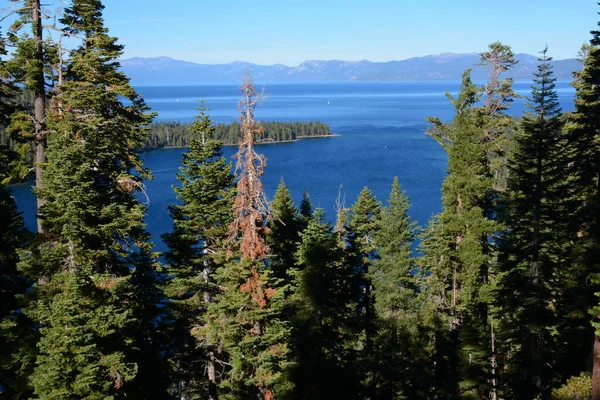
<point>177,134</point>
<point>164,134</point>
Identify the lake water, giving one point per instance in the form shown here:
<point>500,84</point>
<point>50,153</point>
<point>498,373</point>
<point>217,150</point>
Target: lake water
<point>382,128</point>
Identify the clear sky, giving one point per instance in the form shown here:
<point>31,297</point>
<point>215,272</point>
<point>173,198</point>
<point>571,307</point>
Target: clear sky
<point>292,31</point>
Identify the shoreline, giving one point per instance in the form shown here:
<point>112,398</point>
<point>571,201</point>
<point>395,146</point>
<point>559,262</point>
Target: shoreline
<point>298,138</point>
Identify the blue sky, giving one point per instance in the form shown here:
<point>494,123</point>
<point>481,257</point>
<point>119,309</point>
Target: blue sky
<point>291,31</point>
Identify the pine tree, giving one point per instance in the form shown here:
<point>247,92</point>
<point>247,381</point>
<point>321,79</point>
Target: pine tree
<point>306,207</point>
<point>324,329</point>
<point>246,316</point>
<point>285,227</point>
<point>468,96</point>
<point>96,300</point>
<point>196,250</point>
<point>456,268</point>
<point>17,348</point>
<point>29,66</point>
<point>395,300</point>
<point>363,226</point>
<point>477,142</point>
<point>533,251</point>
<point>584,144</point>
<point>498,95</point>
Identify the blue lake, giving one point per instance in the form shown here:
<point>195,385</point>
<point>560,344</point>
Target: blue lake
<point>382,128</point>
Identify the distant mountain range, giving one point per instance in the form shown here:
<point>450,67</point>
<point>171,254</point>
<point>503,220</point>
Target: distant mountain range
<point>447,66</point>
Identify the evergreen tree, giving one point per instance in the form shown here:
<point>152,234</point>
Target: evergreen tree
<point>246,316</point>
<point>477,141</point>
<point>324,324</point>
<point>584,144</point>
<point>363,226</point>
<point>395,300</point>
<point>17,353</point>
<point>29,67</point>
<point>306,207</point>
<point>96,300</point>
<point>456,268</point>
<point>533,251</point>
<point>17,348</point>
<point>285,226</point>
<point>468,96</point>
<point>498,95</point>
<point>196,250</point>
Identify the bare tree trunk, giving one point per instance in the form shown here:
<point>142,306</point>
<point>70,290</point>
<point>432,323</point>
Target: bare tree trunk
<point>39,103</point>
<point>210,365</point>
<point>596,368</point>
<point>369,335</point>
<point>493,395</point>
<point>212,377</point>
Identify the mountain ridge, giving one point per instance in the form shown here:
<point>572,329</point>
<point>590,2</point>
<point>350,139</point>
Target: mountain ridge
<point>446,66</point>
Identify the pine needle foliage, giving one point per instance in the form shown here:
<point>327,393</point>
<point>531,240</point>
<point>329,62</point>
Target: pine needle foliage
<point>533,252</point>
<point>96,299</point>
<point>285,226</point>
<point>324,324</point>
<point>395,299</point>
<point>196,251</point>
<point>17,335</point>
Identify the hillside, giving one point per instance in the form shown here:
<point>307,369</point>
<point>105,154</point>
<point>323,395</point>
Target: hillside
<point>447,66</point>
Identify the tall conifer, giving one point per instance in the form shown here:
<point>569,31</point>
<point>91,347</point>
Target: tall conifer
<point>458,265</point>
<point>18,345</point>
<point>29,67</point>
<point>362,226</point>
<point>285,226</point>
<point>324,327</point>
<point>584,142</point>
<point>533,252</point>
<point>246,316</point>
<point>395,300</point>
<point>196,250</point>
<point>96,297</point>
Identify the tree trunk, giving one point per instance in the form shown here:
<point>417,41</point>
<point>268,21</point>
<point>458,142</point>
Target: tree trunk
<point>369,334</point>
<point>210,365</point>
<point>39,103</point>
<point>212,377</point>
<point>596,368</point>
<point>494,364</point>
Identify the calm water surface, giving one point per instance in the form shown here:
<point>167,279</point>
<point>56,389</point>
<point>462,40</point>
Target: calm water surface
<point>381,125</point>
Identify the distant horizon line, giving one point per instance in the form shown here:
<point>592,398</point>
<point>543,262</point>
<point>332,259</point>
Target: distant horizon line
<point>273,83</point>
<point>321,60</point>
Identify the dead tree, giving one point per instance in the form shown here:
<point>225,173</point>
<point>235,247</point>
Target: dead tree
<point>250,208</point>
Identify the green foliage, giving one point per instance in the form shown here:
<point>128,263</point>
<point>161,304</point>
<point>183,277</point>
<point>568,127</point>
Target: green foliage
<point>176,134</point>
<point>583,134</point>
<point>306,207</point>
<point>196,250</point>
<point>362,227</point>
<point>245,320</point>
<point>95,299</point>
<point>283,239</point>
<point>457,261</point>
<point>576,388</point>
<point>533,252</point>
<point>399,344</point>
<point>323,323</point>
<point>17,336</point>
<point>391,274</point>
<point>584,141</point>
<point>500,303</point>
<point>468,96</point>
